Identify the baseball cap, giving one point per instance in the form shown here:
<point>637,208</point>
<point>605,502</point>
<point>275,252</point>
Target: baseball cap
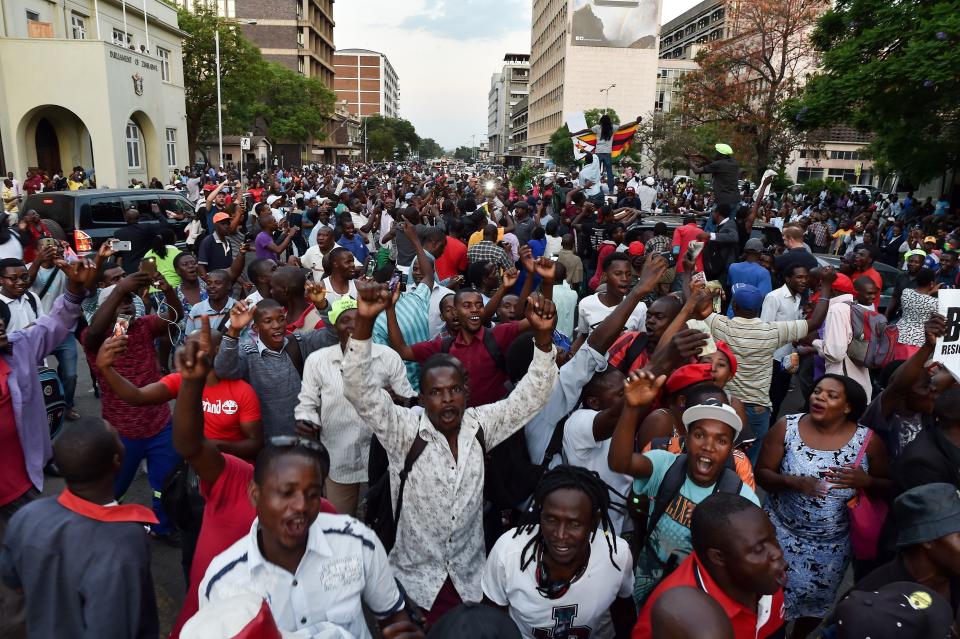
<point>723,149</point>
<point>521,204</point>
<point>271,199</point>
<point>636,248</point>
<point>843,285</point>
<point>930,239</point>
<point>713,409</point>
<point>631,191</point>
<point>688,375</point>
<point>754,244</point>
<point>220,217</point>
<point>747,296</point>
<point>408,197</point>
<point>900,609</point>
<point>337,309</point>
<point>649,181</point>
<point>927,512</point>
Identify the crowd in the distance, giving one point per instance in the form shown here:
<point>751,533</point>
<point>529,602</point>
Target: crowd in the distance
<point>434,401</point>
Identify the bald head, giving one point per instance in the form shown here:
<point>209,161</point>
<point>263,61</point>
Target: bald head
<point>688,613</point>
<point>490,232</point>
<point>87,450</point>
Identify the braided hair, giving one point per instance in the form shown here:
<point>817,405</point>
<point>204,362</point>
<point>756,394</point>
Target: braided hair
<point>562,477</point>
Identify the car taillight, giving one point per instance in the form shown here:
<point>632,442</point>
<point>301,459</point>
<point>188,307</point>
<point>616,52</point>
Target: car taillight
<point>48,201</point>
<point>82,242</point>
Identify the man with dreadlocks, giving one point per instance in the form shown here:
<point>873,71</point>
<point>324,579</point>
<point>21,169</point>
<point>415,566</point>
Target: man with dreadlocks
<point>563,568</point>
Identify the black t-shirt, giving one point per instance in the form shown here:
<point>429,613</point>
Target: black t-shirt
<point>725,172</point>
<point>139,236</point>
<point>930,458</point>
<point>895,571</point>
<point>792,257</point>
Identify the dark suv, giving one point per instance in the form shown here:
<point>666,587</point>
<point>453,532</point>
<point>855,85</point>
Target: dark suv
<point>99,212</point>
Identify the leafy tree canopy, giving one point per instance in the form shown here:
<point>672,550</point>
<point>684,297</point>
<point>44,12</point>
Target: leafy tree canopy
<point>890,68</point>
<point>390,138</point>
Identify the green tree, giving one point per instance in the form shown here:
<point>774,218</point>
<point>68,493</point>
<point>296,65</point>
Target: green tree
<point>390,138</point>
<point>295,108</point>
<point>560,148</point>
<point>464,153</point>
<point>891,68</point>
<point>661,141</point>
<point>429,149</point>
<point>242,81</point>
<point>592,116</point>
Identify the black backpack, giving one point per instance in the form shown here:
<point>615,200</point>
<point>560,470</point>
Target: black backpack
<point>5,310</point>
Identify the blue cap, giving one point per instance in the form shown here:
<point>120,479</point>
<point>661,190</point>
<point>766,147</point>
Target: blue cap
<point>747,296</point>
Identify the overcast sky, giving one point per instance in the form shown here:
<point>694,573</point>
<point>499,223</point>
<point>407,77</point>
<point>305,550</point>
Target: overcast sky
<point>444,52</point>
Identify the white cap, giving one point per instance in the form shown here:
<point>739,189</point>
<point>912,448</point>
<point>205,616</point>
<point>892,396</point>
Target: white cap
<point>649,181</point>
<point>271,199</point>
<point>713,409</point>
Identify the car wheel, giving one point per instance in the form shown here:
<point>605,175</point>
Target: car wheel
<point>55,230</point>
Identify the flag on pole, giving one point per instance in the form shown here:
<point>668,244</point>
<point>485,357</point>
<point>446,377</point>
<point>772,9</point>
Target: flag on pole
<point>622,139</point>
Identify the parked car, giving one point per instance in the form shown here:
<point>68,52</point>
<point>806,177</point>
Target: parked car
<point>770,234</point>
<point>93,215</point>
<point>888,276</point>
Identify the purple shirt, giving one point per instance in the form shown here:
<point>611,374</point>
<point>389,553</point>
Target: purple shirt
<point>30,345</point>
<point>264,240</point>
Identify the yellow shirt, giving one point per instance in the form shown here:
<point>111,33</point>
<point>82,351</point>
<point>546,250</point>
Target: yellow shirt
<point>478,236</point>
<point>74,186</point>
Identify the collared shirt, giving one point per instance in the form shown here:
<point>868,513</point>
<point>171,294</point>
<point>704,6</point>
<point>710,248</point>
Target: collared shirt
<point>216,317</point>
<point>343,565</point>
<point>485,250</point>
<point>214,253</point>
<point>412,309</point>
<point>566,300</point>
<point>781,306</point>
<point>747,624</point>
<point>753,343</point>
<point>30,345</point>
<point>441,524</point>
<point>21,311</point>
<point>322,402</point>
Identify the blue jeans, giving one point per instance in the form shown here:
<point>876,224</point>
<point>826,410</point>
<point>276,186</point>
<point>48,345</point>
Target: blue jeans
<point>758,417</point>
<point>161,460</point>
<point>66,354</point>
<point>606,164</point>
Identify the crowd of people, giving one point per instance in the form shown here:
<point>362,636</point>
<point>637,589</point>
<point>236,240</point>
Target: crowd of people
<point>414,401</point>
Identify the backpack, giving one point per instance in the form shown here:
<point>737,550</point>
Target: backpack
<point>873,340</point>
<point>489,342</point>
<point>31,299</point>
<point>728,482</point>
<point>630,353</point>
<point>382,517</point>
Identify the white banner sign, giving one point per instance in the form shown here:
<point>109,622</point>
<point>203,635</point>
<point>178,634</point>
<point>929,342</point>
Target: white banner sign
<point>245,144</point>
<point>577,122</point>
<point>948,346</point>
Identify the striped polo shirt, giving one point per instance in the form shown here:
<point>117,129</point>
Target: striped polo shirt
<point>753,342</point>
<point>413,308</point>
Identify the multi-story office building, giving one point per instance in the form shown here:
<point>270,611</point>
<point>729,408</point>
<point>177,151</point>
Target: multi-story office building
<point>706,22</point>
<point>295,33</point>
<point>115,104</point>
<point>518,132</point>
<point>838,156</point>
<point>367,82</point>
<point>507,89</point>
<point>587,54</point>
<point>669,75</point>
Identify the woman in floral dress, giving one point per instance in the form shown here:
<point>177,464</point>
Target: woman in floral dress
<point>805,466</point>
<point>917,304</point>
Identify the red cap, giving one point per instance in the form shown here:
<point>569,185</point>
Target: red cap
<point>843,285</point>
<point>688,376</point>
<point>219,217</point>
<point>724,348</point>
<point>636,248</point>
<point>630,191</point>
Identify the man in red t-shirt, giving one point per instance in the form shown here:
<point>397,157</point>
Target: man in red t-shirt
<point>231,409</point>
<point>737,560</point>
<point>453,261</point>
<point>682,237</point>
<point>228,512</point>
<point>863,259</point>
<point>144,430</point>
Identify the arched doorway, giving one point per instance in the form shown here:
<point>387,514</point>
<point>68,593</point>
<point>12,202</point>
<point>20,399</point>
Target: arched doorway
<point>48,146</point>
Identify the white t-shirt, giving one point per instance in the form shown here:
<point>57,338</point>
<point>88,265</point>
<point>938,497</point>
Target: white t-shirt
<point>581,449</point>
<point>579,611</point>
<point>592,311</point>
<point>333,296</point>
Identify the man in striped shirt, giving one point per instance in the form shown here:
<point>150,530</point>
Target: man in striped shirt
<point>754,341</point>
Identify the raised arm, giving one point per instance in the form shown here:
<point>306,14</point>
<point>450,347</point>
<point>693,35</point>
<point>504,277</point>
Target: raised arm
<point>827,277</point>
<point>639,390</point>
<point>914,367</point>
<point>101,324</point>
<point>424,262</point>
<point>229,362</point>
<point>193,362</point>
<point>510,277</point>
<point>150,395</point>
<point>607,332</point>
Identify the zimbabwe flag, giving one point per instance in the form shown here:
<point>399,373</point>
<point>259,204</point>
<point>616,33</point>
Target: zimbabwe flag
<point>622,139</point>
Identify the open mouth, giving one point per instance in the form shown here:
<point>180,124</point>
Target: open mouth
<point>703,465</point>
<point>296,526</point>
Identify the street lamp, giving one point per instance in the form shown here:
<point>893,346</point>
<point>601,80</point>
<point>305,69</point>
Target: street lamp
<point>606,92</point>
<point>216,44</point>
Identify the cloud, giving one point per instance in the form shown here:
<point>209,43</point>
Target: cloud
<point>471,19</point>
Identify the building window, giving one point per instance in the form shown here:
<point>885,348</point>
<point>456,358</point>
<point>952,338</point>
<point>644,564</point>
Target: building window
<point>119,39</point>
<point>300,38</point>
<point>33,16</point>
<point>164,55</point>
<point>171,148</point>
<point>805,174</point>
<point>133,145</point>
<point>847,175</point>
<point>300,65</point>
<point>78,26</point>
